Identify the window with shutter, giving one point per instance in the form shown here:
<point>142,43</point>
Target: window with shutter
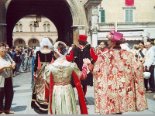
<point>129,15</point>
<point>102,15</point>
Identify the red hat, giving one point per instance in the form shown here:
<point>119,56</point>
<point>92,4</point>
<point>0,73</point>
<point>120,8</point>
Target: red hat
<point>83,38</point>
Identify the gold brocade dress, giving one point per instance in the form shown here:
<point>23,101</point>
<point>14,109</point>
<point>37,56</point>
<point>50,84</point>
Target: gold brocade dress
<point>63,96</point>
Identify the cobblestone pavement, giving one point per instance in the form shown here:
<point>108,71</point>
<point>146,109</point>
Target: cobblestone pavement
<point>22,97</point>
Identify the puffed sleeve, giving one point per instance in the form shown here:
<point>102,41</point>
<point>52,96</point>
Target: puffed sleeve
<point>76,69</point>
<point>93,54</point>
<point>70,56</point>
<point>81,74</point>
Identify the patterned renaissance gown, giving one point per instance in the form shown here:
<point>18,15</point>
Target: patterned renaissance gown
<point>41,88</point>
<point>62,96</point>
<point>118,83</point>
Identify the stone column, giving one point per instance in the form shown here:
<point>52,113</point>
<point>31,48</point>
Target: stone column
<point>26,42</point>
<point>75,35</point>
<point>2,22</point>
<point>77,30</point>
<point>94,26</point>
<point>89,40</point>
<point>94,39</point>
<point>91,7</point>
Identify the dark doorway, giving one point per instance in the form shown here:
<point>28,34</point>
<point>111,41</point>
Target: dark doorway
<point>58,11</point>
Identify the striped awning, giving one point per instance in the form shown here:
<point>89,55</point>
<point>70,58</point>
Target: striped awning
<point>126,38</point>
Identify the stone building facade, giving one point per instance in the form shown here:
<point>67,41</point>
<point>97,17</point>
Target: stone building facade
<point>28,32</point>
<point>68,16</point>
<point>136,21</point>
<point>73,17</point>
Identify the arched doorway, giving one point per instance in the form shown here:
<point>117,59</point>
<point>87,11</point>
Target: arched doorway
<point>58,11</point>
<point>19,43</point>
<point>33,43</point>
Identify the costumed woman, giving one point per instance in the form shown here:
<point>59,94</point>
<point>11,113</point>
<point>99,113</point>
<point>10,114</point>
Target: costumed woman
<point>41,89</point>
<point>118,80</point>
<point>62,97</point>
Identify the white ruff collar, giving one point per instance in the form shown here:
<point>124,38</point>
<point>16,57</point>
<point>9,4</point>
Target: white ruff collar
<point>61,61</point>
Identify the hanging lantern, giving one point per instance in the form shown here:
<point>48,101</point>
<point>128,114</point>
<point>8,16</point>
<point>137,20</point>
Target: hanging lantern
<point>38,18</point>
<point>36,24</point>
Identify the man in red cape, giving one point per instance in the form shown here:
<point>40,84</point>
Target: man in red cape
<point>77,54</point>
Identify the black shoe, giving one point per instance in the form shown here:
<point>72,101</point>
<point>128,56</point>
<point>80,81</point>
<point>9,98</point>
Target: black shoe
<point>153,96</point>
<point>153,91</point>
<point>1,112</point>
<point>118,113</point>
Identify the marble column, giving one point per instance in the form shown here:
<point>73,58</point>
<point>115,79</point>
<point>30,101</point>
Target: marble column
<point>91,7</point>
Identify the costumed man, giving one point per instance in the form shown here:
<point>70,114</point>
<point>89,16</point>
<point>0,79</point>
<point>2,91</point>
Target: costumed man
<point>77,54</point>
<point>118,80</point>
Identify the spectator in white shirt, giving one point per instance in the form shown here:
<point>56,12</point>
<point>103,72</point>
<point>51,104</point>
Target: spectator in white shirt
<point>149,63</point>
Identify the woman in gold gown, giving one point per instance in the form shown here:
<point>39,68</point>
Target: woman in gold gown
<point>58,74</point>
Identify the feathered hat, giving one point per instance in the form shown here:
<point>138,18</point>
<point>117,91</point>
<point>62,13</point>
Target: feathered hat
<point>115,36</point>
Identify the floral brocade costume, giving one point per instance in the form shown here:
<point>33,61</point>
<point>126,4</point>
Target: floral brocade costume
<point>62,97</point>
<point>118,83</point>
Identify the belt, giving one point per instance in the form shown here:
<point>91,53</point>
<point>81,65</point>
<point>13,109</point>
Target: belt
<point>62,83</point>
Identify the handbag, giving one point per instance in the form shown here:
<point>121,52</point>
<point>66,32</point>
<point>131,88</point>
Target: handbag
<point>146,75</point>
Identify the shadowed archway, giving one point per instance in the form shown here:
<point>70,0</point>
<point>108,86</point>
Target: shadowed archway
<point>19,43</point>
<point>58,11</point>
<point>33,42</point>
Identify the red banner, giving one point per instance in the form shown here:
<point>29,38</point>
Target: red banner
<point>129,2</point>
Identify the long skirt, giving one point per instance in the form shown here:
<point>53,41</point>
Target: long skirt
<point>63,100</point>
<point>40,95</point>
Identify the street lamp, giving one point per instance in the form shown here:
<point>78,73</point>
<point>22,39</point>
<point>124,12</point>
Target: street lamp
<point>36,24</point>
<point>38,18</point>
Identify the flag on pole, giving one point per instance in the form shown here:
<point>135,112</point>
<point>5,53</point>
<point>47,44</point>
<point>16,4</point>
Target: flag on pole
<point>129,2</point>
